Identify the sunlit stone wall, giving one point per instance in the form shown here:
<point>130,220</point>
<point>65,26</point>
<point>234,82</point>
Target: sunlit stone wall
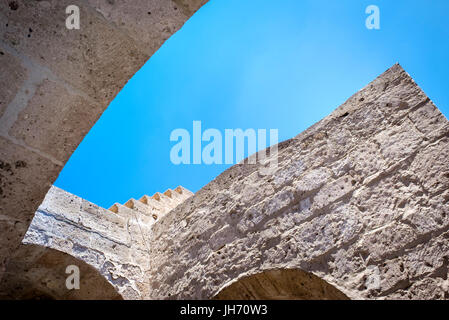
<point>360,199</point>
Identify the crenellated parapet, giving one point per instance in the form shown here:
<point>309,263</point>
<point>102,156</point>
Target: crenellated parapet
<point>155,206</point>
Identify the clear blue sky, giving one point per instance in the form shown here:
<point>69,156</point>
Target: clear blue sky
<point>282,64</point>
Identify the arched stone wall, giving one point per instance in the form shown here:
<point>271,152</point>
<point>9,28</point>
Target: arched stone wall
<point>55,83</point>
<point>280,284</point>
<point>36,272</point>
<point>111,243</point>
<point>360,199</point>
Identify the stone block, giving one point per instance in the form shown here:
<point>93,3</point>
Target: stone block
<point>13,76</point>
<point>150,22</point>
<point>432,166</point>
<point>398,142</point>
<point>55,120</point>
<point>25,179</point>
<point>98,59</point>
<point>428,119</point>
<point>333,191</point>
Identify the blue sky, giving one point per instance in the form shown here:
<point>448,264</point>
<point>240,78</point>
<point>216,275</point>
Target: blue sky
<point>282,64</point>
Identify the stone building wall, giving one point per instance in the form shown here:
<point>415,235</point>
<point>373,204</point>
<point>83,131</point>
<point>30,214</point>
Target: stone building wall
<point>360,199</point>
<point>113,242</point>
<point>358,207</point>
<point>35,272</point>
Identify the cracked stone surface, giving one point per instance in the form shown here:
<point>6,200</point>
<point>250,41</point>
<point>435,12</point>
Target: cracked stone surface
<point>109,246</point>
<point>358,207</point>
<point>360,200</point>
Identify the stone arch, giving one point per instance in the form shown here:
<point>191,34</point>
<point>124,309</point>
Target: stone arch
<point>310,214</point>
<point>57,82</point>
<point>37,272</point>
<point>279,284</point>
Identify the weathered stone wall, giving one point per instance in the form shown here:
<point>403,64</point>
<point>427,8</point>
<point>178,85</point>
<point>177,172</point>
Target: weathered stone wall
<point>362,193</point>
<point>360,199</point>
<point>34,272</point>
<point>112,242</point>
<point>280,284</point>
<point>55,83</point>
<point>358,207</point>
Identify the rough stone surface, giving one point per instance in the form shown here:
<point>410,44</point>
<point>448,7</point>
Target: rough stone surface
<point>56,82</point>
<point>13,75</point>
<point>39,273</point>
<point>109,246</point>
<point>358,207</point>
<point>55,128</point>
<point>22,186</point>
<point>360,200</point>
<point>286,284</point>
